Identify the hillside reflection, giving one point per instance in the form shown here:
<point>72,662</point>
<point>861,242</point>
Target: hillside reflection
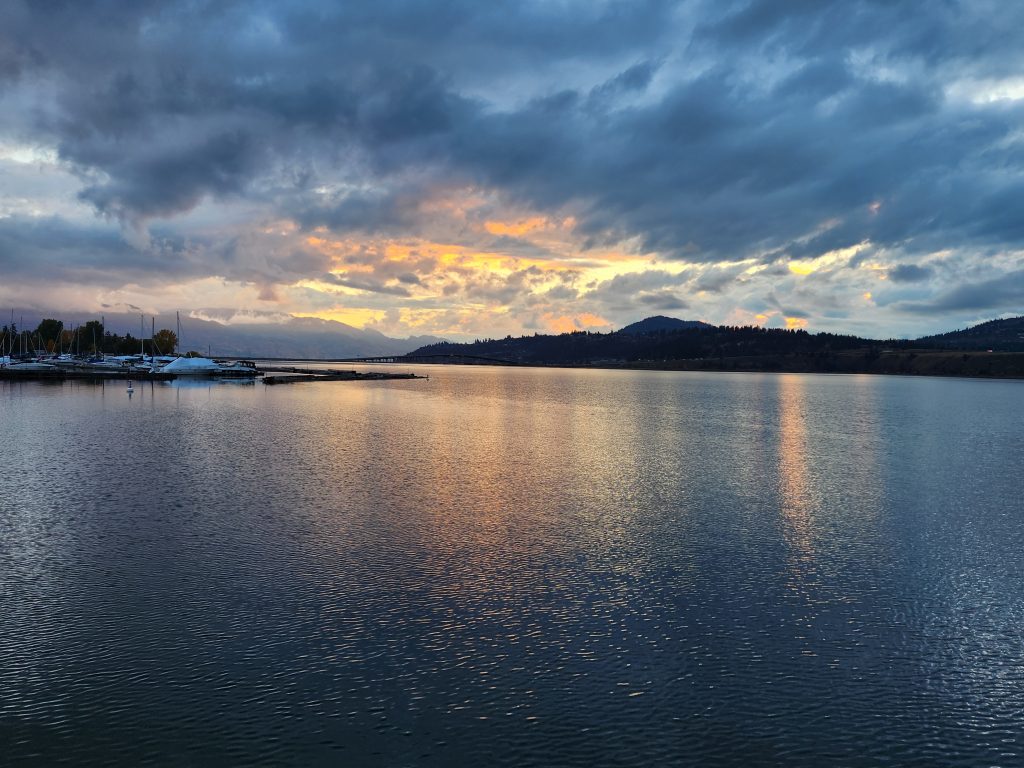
<point>586,567</point>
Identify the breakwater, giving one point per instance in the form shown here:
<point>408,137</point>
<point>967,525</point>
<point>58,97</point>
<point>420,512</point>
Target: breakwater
<point>13,373</point>
<point>294,375</point>
<point>291,374</point>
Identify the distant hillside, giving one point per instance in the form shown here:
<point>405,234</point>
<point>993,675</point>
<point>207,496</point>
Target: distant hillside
<point>997,335</point>
<point>296,337</point>
<point>620,347</point>
<point>710,348</point>
<point>660,323</point>
<point>302,337</point>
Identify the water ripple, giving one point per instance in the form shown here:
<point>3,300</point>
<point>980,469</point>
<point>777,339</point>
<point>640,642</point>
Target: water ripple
<point>515,567</point>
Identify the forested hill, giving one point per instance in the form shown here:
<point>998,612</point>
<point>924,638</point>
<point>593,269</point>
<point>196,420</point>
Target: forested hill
<point>662,323</point>
<point>997,335</point>
<point>582,347</point>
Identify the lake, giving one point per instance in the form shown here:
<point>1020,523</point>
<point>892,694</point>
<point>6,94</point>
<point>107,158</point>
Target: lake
<point>503,566</point>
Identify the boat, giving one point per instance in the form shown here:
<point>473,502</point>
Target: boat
<point>31,365</point>
<point>205,366</point>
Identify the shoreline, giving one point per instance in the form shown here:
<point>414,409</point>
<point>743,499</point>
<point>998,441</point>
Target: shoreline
<point>930,363</point>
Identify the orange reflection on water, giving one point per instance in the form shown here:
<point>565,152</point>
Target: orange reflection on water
<point>796,491</point>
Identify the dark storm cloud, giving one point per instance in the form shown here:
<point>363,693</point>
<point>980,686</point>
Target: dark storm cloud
<point>707,131</point>
<point>51,248</point>
<point>909,273</point>
<point>170,179</point>
<point>638,289</point>
<point>1005,292</point>
<point>363,284</point>
<point>661,300</point>
<point>57,251</point>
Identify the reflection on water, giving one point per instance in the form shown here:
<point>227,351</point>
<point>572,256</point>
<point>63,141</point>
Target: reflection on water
<point>583,567</point>
<point>798,502</point>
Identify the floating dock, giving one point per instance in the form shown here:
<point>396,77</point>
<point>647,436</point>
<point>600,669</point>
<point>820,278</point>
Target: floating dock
<point>293,375</point>
<point>297,375</point>
<point>65,374</point>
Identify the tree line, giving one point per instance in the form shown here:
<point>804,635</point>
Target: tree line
<point>90,338</point>
<point>663,345</point>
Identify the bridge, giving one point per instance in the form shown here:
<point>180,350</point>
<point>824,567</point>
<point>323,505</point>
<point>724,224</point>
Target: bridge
<point>439,359</point>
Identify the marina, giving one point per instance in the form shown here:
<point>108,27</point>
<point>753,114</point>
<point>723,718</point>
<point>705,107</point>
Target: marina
<point>146,369</point>
<point>88,352</point>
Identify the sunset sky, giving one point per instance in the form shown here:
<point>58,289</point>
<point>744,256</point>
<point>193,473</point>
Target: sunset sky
<point>462,168</point>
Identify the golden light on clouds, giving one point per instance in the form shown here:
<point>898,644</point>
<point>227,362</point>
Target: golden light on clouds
<point>358,317</point>
<point>457,278</point>
<point>839,257</point>
<point>772,317</point>
<point>516,228</point>
<point>581,322</point>
<point>802,267</point>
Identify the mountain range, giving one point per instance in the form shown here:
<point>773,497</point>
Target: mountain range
<point>290,337</point>
<point>690,345</point>
<point>653,338</point>
<point>996,335</point>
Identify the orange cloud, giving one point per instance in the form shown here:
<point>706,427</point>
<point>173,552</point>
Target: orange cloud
<point>796,322</point>
<point>566,324</point>
<point>516,228</point>
<point>355,316</point>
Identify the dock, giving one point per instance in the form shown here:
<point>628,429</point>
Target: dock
<point>297,375</point>
<point>66,374</point>
<point>291,375</point>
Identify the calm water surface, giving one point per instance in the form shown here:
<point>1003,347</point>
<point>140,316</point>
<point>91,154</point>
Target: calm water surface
<point>514,567</point>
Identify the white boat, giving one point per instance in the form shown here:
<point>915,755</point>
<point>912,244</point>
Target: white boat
<point>192,366</point>
<point>31,366</point>
<point>204,366</point>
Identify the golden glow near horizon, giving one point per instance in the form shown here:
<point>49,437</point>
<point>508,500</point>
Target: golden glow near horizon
<point>581,322</point>
<point>478,270</point>
<point>516,228</point>
<point>535,268</point>
<point>357,317</point>
<point>838,257</point>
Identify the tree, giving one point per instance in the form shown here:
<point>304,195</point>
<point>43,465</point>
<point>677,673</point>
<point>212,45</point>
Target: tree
<point>91,336</point>
<point>124,345</point>
<point>48,332</point>
<point>67,340</point>
<point>166,341</point>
